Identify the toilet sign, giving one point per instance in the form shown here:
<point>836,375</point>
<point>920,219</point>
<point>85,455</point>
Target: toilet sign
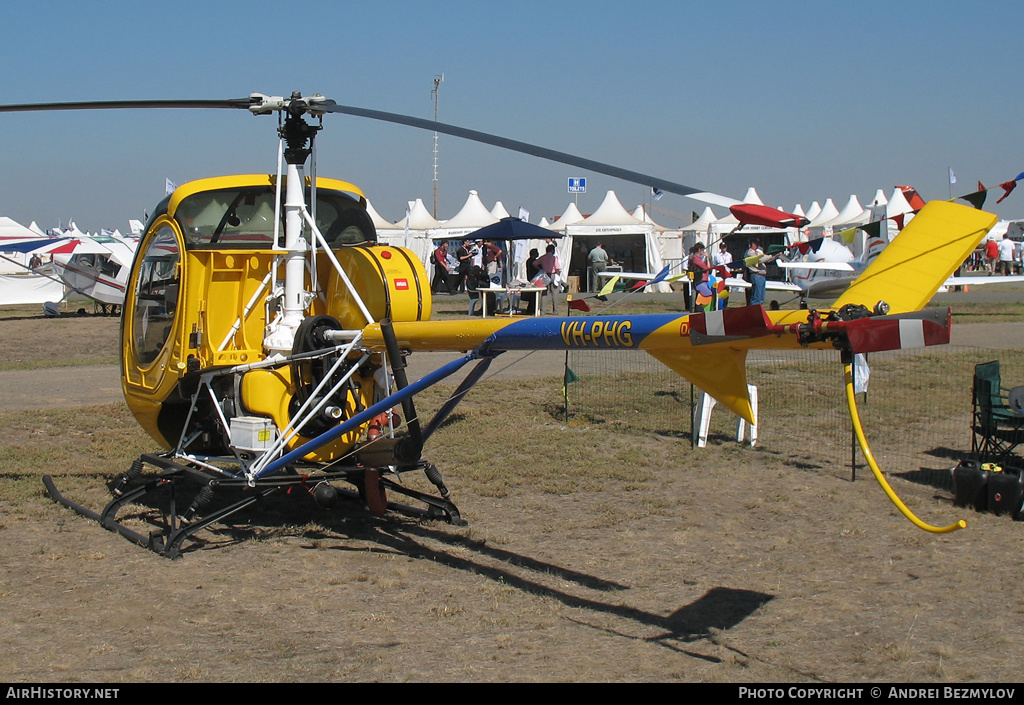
<point>577,185</point>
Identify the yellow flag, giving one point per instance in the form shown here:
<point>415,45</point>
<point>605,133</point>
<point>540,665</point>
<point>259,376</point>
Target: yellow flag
<point>609,287</point>
<point>751,261</point>
<point>847,235</point>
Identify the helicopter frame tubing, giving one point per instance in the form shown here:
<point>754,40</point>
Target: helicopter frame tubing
<point>374,468</point>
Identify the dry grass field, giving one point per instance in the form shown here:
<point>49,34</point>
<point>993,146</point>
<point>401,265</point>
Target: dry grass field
<point>600,547</point>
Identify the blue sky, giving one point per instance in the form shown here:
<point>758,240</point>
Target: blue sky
<point>804,101</point>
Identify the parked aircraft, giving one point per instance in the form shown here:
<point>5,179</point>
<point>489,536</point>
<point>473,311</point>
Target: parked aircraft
<point>261,342</point>
<point>94,266</point>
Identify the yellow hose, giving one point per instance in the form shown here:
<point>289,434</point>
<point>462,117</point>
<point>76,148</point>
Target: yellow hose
<point>862,440</point>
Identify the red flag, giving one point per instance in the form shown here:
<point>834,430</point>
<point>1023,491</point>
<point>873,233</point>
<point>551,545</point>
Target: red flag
<point>579,305</point>
<point>1007,188</point>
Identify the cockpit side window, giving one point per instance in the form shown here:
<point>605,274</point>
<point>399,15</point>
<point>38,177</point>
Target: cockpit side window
<point>156,295</point>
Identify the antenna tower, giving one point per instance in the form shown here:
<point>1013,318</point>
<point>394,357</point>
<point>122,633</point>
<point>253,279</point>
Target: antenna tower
<point>438,79</point>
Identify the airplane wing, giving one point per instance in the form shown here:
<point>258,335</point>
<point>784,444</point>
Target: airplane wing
<point>979,281</point>
<point>628,275</point>
<point>730,282</point>
<point>825,266</point>
<point>40,245</point>
<point>769,285</point>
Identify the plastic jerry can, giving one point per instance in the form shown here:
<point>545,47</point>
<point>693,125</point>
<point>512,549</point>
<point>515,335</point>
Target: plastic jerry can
<point>1005,491</point>
<point>970,485</point>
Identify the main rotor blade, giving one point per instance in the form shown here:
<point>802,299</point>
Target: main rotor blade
<point>250,102</point>
<point>243,103</point>
<point>515,146</point>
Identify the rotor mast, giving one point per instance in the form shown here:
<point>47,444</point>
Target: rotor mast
<point>297,136</point>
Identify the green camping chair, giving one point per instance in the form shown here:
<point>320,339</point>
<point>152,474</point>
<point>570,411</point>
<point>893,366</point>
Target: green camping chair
<point>996,429</point>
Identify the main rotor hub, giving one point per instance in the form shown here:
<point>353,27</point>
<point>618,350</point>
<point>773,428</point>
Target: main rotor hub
<point>296,132</point>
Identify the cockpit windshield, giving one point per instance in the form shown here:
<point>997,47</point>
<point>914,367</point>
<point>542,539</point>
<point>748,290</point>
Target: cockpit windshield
<point>243,217</point>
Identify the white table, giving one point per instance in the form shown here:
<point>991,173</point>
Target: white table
<point>512,293</point>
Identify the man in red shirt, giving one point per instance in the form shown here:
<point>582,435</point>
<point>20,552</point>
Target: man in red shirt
<point>441,280</point>
<point>991,255</point>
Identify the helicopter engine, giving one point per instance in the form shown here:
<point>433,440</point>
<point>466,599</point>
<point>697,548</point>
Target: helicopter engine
<point>204,291</point>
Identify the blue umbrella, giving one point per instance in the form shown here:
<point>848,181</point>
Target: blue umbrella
<point>510,228</point>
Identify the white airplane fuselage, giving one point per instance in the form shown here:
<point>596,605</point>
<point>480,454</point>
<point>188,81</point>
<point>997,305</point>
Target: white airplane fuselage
<point>95,275</point>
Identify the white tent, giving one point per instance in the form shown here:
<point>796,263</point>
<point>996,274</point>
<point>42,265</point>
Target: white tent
<point>821,224</point>
<point>473,216</point>
<point>752,197</point>
<point>618,230</point>
<point>412,231</point>
<point>16,262</point>
<point>670,240</point>
<point>896,207</point>
<point>704,229</point>
<point>569,216</point>
<point>378,222</point>
<point>499,211</point>
<point>853,213</point>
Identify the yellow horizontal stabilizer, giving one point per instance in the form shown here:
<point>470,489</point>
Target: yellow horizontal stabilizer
<point>718,370</point>
<point>911,268</point>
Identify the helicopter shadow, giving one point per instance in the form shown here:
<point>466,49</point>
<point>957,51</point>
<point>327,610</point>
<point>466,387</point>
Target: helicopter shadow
<point>718,610</point>
<point>347,527</point>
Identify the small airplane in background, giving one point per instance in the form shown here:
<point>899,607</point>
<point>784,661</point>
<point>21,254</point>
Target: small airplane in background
<point>822,268</point>
<point>95,266</point>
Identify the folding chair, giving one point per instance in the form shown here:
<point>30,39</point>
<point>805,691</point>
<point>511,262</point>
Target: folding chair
<point>996,428</point>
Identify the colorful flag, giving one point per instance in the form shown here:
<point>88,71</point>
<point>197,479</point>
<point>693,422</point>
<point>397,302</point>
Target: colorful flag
<point>578,305</point>
<point>848,235</point>
<point>1007,188</point>
<point>609,287</point>
<point>976,199</point>
<point>660,276</point>
<point>873,229</point>
<point>568,379</point>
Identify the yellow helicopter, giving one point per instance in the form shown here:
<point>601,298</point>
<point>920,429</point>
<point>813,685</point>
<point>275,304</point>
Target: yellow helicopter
<point>264,333</point>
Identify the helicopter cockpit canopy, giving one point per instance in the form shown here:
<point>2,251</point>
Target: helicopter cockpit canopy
<point>242,216</point>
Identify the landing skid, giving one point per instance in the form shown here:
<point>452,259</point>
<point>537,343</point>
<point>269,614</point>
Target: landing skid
<point>212,498</point>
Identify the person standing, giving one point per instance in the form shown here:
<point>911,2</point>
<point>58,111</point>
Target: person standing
<point>492,257</point>
<point>441,278</point>
<point>723,258</point>
<point>548,263</point>
<point>1006,249</point>
<point>465,257</point>
<point>700,270</point>
<point>598,261</point>
<point>757,272</point>
<point>991,255</point>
